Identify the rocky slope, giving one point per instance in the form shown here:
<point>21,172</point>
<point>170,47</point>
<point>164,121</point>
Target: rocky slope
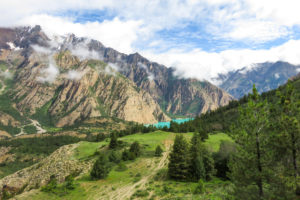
<point>175,95</point>
<point>266,76</point>
<point>60,164</point>
<point>65,80</point>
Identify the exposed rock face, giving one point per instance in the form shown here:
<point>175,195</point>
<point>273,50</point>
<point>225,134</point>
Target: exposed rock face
<point>59,163</point>
<point>174,95</point>
<point>265,76</point>
<point>64,81</point>
<point>6,120</point>
<point>96,93</point>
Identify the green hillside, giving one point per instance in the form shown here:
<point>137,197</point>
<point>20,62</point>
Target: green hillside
<point>144,178</point>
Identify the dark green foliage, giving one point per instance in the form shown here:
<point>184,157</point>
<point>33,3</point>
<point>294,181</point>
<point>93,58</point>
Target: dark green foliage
<point>135,148</point>
<point>287,142</point>
<point>127,155</point>
<point>114,157</point>
<point>60,190</point>
<point>100,137</point>
<point>249,165</point>
<point>51,186</point>
<point>141,193</point>
<point>10,129</point>
<point>101,168</point>
<point>200,188</point>
<point>121,167</point>
<point>221,158</point>
<point>6,107</point>
<point>30,129</point>
<point>178,168</point>
<point>158,151</point>
<point>38,145</point>
<point>113,140</point>
<point>196,160</point>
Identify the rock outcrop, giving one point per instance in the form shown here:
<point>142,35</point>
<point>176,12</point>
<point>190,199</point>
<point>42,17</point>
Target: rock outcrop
<point>60,164</point>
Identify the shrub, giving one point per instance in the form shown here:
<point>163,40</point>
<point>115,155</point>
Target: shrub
<point>158,151</point>
<point>135,148</point>
<point>101,168</point>
<point>30,129</point>
<point>200,188</point>
<point>121,167</point>
<point>114,157</point>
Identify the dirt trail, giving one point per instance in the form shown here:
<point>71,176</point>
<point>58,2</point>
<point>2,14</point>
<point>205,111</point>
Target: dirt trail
<point>37,125</point>
<point>127,191</point>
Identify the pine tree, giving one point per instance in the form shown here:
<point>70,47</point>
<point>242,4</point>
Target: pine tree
<point>135,149</point>
<point>178,168</point>
<point>287,142</point>
<point>101,168</point>
<point>196,163</point>
<point>158,151</point>
<point>113,141</point>
<point>249,165</point>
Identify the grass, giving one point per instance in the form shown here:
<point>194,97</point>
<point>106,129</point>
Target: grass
<point>87,149</point>
<point>213,142</point>
<point>151,140</point>
<point>158,187</point>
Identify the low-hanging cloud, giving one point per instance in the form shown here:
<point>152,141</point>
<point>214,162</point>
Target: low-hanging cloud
<point>207,65</point>
<point>82,52</point>
<point>49,74</point>
<point>6,74</point>
<point>150,75</point>
<point>75,75</point>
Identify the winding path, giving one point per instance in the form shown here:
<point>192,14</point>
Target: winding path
<point>127,191</point>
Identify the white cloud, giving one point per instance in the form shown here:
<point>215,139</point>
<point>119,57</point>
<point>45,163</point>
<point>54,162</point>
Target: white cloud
<point>138,21</point>
<point>82,52</point>
<point>115,33</point>
<point>6,74</point>
<point>150,75</point>
<point>203,65</point>
<point>49,74</point>
<point>75,75</point>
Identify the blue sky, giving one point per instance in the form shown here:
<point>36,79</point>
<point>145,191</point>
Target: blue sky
<point>200,38</point>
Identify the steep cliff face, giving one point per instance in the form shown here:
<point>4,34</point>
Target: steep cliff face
<point>175,95</point>
<point>82,89</point>
<point>65,80</point>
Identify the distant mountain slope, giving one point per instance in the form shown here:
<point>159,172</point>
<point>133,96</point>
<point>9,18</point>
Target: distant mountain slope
<point>266,76</point>
<point>64,80</point>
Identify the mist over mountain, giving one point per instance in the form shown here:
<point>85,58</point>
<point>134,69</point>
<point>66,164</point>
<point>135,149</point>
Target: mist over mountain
<point>65,80</point>
<point>266,76</point>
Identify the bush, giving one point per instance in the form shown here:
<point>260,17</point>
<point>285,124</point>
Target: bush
<point>200,189</point>
<point>113,141</point>
<point>128,155</point>
<point>114,157</point>
<point>100,137</point>
<point>158,151</point>
<point>135,148</point>
<point>121,167</point>
<point>30,129</point>
<point>101,168</point>
<point>51,186</point>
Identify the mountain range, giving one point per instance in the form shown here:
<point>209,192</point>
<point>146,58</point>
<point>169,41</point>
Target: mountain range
<point>65,80</point>
<point>266,76</point>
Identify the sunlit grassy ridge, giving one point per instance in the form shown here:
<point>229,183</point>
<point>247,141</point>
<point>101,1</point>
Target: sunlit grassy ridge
<point>143,179</point>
